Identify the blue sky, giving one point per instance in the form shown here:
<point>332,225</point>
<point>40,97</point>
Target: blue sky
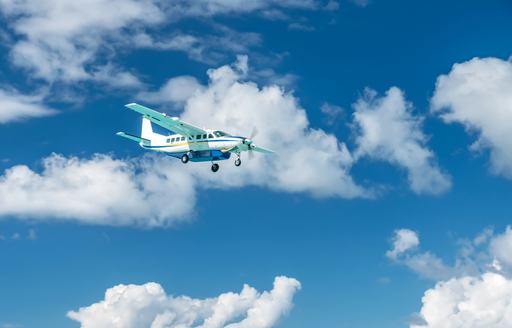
<point>391,160</point>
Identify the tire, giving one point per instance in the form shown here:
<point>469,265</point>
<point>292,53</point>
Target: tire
<point>215,167</point>
<point>238,162</point>
<point>185,159</point>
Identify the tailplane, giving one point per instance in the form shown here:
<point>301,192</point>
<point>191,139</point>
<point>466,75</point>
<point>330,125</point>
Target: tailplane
<point>146,134</point>
<point>141,141</point>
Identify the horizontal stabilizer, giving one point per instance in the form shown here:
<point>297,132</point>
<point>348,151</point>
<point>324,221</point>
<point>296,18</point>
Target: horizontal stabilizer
<point>145,142</point>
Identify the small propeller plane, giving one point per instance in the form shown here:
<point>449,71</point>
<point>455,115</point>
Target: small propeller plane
<point>189,143</point>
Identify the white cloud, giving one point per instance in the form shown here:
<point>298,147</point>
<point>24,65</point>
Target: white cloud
<point>388,131</point>
<point>478,95</point>
<point>149,191</point>
<point>149,305</point>
<point>70,41</point>
<point>475,292</point>
<point>468,302</point>
<point>60,39</point>
<point>403,240</point>
<point>309,160</point>
<point>501,248</point>
<point>405,251</point>
<point>15,106</point>
<point>175,90</point>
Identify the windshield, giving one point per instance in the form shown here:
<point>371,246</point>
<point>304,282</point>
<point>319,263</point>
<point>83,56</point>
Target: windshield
<point>220,134</point>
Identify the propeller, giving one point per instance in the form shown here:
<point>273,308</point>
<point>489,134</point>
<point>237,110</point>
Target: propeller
<point>249,143</point>
<point>254,133</point>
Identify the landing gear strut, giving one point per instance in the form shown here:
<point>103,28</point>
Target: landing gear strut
<point>238,162</point>
<point>215,167</point>
<point>185,159</point>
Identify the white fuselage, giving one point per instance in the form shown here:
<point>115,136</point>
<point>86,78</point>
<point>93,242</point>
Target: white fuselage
<point>176,145</point>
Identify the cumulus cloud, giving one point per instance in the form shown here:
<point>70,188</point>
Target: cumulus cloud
<point>478,95</point>
<point>469,302</point>
<point>309,160</point>
<point>149,305</point>
<point>403,240</point>
<point>15,106</point>
<point>405,251</point>
<point>148,191</point>
<point>388,131</point>
<point>476,291</point>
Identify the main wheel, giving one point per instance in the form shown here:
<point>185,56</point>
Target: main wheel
<point>238,162</point>
<point>215,167</point>
<point>184,158</point>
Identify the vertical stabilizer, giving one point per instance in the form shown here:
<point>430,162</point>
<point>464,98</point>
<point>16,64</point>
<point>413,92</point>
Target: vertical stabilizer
<point>147,129</point>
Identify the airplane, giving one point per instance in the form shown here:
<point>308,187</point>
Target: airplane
<point>189,143</point>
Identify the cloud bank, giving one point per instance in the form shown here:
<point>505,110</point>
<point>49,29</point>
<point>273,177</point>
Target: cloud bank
<point>155,190</point>
<point>148,305</point>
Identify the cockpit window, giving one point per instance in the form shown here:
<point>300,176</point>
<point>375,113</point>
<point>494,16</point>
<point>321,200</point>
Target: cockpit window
<point>220,134</point>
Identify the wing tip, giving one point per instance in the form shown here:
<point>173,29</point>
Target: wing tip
<point>130,105</point>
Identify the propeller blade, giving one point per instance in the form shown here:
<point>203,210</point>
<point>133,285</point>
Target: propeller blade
<point>254,133</point>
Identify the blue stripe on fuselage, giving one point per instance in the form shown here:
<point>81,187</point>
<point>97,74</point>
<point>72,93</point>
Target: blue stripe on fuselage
<point>199,141</point>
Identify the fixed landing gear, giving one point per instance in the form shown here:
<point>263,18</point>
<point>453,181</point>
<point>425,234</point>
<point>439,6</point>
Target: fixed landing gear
<point>238,162</point>
<point>185,159</point>
<point>215,167</point>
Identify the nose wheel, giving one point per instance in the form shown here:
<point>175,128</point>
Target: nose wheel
<point>215,167</point>
<point>185,159</point>
<point>238,162</point>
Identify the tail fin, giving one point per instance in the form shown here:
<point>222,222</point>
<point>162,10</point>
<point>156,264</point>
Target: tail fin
<point>147,129</point>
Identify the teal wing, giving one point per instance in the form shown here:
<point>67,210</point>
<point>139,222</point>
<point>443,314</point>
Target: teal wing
<point>240,148</point>
<point>173,124</point>
<point>262,150</point>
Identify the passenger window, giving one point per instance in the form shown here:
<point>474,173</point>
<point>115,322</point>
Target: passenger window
<point>204,136</point>
<point>198,137</point>
<point>210,136</point>
<point>172,140</point>
<point>168,140</point>
<point>182,138</point>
